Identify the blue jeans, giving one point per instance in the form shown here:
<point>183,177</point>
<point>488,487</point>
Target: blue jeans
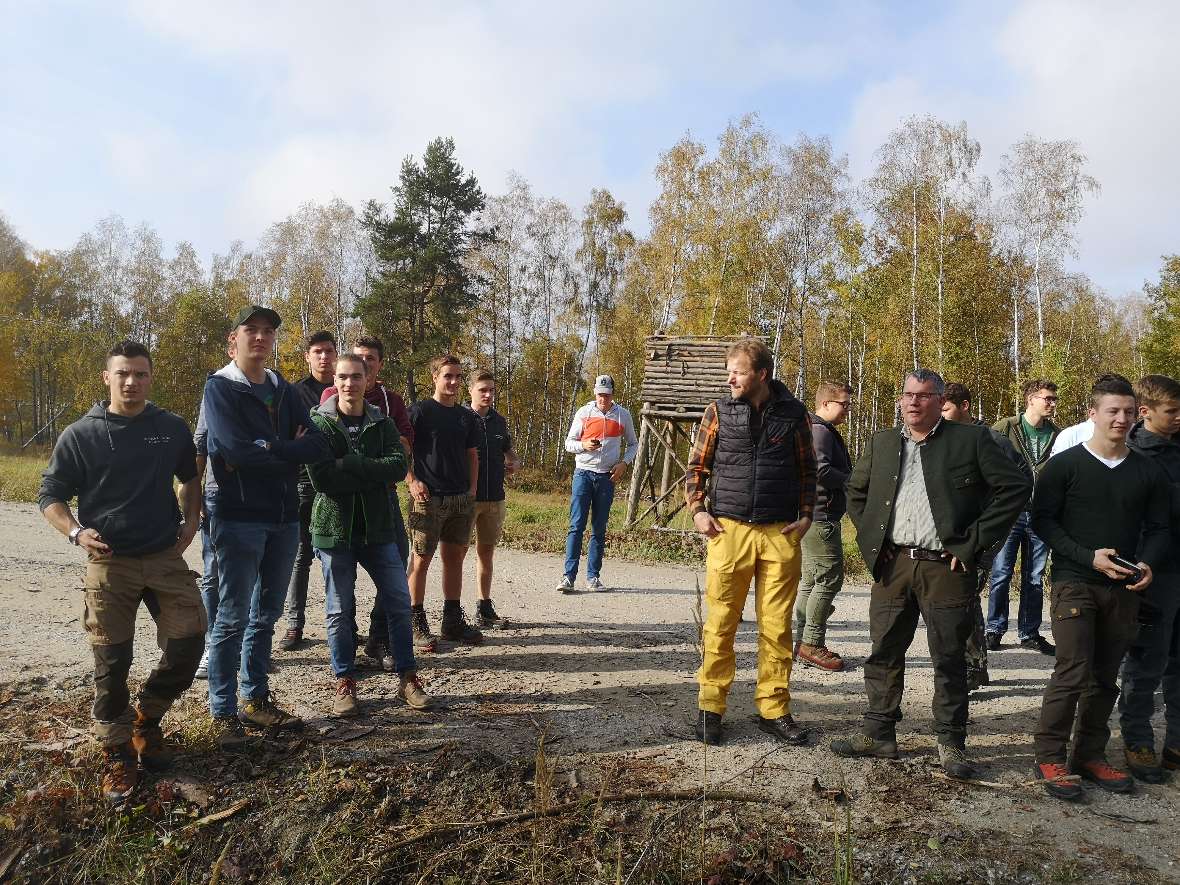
<point>1034,554</point>
<point>384,565</point>
<point>209,585</point>
<point>593,494</point>
<point>254,560</point>
<point>208,582</point>
<point>1154,658</point>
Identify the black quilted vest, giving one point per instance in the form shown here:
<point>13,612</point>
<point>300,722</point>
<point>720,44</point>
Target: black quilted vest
<point>757,480</point>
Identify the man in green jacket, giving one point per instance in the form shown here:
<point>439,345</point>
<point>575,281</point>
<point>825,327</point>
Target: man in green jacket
<point>1032,433</point>
<point>927,502</point>
<point>352,524</point>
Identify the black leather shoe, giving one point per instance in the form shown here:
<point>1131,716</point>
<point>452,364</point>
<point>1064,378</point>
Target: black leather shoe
<point>993,641</point>
<point>1039,643</point>
<point>708,728</point>
<point>785,728</point>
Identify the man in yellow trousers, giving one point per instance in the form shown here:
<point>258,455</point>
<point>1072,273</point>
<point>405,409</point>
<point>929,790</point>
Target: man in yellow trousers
<point>754,462</point>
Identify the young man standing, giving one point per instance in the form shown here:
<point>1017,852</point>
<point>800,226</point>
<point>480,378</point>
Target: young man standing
<point>496,460</point>
<point>602,437</point>
<point>1032,434</point>
<point>927,503</point>
<point>1155,654</point>
<point>389,403</point>
<point>319,352</point>
<point>442,482</point>
<point>120,460</point>
<point>353,525</point>
<point>754,461</point>
<point>823,549</point>
<point>259,434</point>
<point>957,407</point>
<point>1094,502</point>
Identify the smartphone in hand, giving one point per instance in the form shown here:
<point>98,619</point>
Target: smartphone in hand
<point>1136,573</point>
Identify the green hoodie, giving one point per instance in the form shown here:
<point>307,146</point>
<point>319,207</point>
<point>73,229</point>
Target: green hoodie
<point>358,477</point>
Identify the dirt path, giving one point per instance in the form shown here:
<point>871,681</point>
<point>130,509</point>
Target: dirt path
<point>612,674</point>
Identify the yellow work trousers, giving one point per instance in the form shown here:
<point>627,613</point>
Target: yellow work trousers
<point>740,553</point>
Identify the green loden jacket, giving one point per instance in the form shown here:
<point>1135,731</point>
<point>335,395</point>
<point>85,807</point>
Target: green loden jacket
<point>976,492</point>
<point>355,478</point>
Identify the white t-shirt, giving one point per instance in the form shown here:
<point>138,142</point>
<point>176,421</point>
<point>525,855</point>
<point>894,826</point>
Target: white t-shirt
<point>1071,436</point>
<point>1109,462</point>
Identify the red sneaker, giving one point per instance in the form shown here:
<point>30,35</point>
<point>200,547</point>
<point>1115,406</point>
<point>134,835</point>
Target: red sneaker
<point>1059,783</point>
<point>1106,776</point>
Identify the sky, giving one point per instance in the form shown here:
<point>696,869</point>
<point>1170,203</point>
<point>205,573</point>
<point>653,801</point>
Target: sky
<point>210,121</point>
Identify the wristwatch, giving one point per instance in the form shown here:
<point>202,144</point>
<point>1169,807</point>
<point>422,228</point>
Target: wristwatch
<point>74,532</point>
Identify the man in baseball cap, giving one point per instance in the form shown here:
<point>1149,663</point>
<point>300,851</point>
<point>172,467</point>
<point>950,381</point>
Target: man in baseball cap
<point>602,439</point>
<point>259,432</point>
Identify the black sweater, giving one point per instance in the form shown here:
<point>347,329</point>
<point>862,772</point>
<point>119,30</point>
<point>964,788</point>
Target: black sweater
<point>1081,505</point>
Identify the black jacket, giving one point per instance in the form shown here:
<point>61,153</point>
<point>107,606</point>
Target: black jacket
<point>833,466</point>
<point>309,390</point>
<point>757,480</point>
<point>1166,454</point>
<point>494,441</point>
<point>975,490</point>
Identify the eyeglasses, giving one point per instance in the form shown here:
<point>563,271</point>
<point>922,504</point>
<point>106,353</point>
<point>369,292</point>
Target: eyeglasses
<point>1048,399</point>
<point>843,403</point>
<point>918,397</point>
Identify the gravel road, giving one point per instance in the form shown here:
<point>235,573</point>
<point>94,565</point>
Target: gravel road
<point>613,673</point>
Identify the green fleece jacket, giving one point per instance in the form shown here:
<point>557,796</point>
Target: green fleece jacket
<point>357,476</point>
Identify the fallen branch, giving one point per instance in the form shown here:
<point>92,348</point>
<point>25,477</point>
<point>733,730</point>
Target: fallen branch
<point>562,808</point>
<point>1000,785</point>
<point>215,873</point>
<point>240,805</point>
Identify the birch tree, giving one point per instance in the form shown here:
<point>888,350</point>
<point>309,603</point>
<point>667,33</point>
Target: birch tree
<point>1045,187</point>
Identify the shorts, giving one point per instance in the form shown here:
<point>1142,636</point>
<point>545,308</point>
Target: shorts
<point>115,585</point>
<point>489,522</point>
<point>444,518</point>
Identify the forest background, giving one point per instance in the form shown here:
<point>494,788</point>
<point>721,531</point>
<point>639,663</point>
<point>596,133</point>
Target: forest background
<point>925,262</point>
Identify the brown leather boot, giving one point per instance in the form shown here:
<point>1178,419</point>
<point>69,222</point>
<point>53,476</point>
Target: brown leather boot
<point>819,656</point>
<point>122,774</point>
<point>147,740</point>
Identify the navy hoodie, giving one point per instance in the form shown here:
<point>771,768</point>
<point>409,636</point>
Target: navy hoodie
<point>121,471</point>
<point>256,484</point>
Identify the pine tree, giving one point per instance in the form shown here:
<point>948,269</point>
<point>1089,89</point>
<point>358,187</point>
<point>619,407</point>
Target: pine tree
<point>424,286</point>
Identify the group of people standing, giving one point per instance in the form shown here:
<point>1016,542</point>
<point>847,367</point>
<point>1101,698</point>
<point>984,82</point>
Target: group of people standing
<point>278,475</point>
<point>941,506</point>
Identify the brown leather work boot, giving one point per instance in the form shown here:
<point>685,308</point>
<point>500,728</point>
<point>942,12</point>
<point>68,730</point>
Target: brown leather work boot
<point>819,656</point>
<point>122,774</point>
<point>147,740</point>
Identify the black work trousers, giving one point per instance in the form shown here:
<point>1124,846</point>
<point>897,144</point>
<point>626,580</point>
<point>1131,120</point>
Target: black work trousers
<point>1093,625</point>
<point>909,588</point>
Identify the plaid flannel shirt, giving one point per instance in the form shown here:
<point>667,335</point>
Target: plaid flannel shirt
<point>700,464</point>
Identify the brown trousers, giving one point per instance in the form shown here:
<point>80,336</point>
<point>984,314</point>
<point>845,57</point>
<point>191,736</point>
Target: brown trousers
<point>115,587</point>
<point>909,588</point>
<point>1093,625</point>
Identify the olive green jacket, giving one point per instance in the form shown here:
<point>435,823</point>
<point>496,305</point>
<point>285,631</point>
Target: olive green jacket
<point>976,492</point>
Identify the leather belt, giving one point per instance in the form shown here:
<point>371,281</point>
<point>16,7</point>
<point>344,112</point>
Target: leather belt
<point>923,554</point>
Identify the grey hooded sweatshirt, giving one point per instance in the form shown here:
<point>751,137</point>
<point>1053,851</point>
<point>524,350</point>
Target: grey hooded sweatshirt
<point>121,471</point>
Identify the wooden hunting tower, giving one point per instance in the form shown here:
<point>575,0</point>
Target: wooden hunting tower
<point>681,376</point>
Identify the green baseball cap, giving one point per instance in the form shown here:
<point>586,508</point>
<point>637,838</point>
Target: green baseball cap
<point>252,310</point>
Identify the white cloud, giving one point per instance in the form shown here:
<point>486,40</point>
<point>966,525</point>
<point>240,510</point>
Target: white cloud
<point>1102,74</point>
<point>351,93</point>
